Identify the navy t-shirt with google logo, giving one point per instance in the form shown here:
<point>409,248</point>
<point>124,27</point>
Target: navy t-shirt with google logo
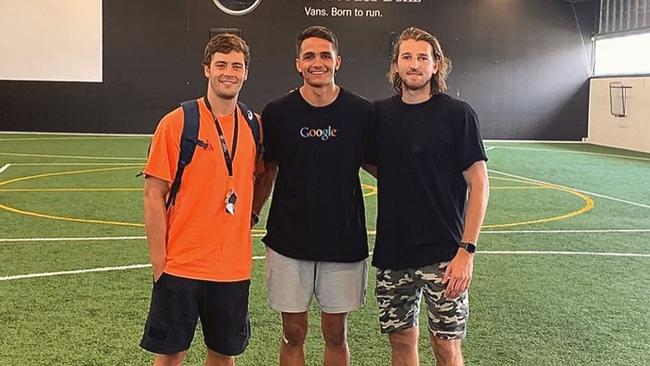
<point>317,210</point>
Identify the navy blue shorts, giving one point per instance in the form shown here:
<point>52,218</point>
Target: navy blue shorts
<point>176,305</point>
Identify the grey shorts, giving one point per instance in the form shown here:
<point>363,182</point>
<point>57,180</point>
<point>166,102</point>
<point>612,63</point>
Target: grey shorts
<point>398,297</point>
<point>291,284</point>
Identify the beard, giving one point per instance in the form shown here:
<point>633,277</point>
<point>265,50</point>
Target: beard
<point>414,86</point>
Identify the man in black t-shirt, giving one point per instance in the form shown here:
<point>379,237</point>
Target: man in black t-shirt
<point>315,140</point>
<point>433,193</point>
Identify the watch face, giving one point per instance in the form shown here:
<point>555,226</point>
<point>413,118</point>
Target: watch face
<point>469,247</point>
<point>237,7</point>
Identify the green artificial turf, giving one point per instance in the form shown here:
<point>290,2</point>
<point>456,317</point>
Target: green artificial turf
<point>542,307</point>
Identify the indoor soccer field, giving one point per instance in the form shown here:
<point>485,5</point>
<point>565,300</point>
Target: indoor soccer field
<point>561,276</point>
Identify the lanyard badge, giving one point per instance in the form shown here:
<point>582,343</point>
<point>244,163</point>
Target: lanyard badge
<point>231,200</point>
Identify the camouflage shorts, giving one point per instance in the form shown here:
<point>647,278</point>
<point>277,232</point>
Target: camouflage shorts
<point>399,293</point>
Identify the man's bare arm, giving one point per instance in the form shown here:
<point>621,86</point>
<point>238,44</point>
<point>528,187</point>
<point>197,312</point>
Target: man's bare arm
<point>264,186</point>
<point>478,187</point>
<point>155,222</point>
<point>458,275</point>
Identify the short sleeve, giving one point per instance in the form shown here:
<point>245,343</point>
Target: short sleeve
<point>469,142</point>
<point>165,148</point>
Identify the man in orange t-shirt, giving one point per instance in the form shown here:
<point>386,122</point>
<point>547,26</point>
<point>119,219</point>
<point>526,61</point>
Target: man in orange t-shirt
<point>200,249</point>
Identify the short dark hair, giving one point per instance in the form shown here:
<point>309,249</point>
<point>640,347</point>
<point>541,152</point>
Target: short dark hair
<point>226,43</point>
<point>317,31</point>
<point>439,80</point>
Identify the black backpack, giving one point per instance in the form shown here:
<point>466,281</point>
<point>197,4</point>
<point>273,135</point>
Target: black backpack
<point>190,139</point>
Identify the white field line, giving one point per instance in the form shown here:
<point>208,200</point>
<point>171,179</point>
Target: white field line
<point>79,271</point>
<point>4,167</point>
<point>73,134</point>
<point>577,142</point>
<point>613,198</point>
<point>572,152</point>
<point>71,156</point>
<point>489,148</point>
<point>567,231</point>
<point>101,238</point>
<point>535,252</point>
<point>574,189</point>
<point>98,238</point>
<point>370,232</point>
<point>489,252</point>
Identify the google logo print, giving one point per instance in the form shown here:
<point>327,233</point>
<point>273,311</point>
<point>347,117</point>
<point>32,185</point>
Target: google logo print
<point>323,134</point>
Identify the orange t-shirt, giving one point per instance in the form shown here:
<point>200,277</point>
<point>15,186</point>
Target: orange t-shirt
<point>204,241</point>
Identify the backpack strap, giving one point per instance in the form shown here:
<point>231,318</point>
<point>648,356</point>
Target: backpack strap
<point>254,125</point>
<point>189,140</point>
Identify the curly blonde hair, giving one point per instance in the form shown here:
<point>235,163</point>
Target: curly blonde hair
<point>439,79</point>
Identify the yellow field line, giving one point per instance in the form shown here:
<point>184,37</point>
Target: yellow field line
<point>101,190</point>
<point>70,219</point>
<point>72,190</point>
<point>71,156</point>
<point>520,187</point>
<point>373,190</point>
<point>72,164</point>
<point>62,218</point>
<point>589,204</point>
<point>510,179</point>
<point>529,186</point>
<point>66,173</point>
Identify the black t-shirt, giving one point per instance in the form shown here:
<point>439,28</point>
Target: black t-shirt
<point>421,152</point>
<point>317,210</point>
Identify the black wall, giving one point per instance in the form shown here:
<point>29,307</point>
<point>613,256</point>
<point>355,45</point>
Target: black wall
<point>520,63</point>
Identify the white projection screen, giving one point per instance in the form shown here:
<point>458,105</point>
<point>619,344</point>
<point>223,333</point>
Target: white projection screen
<point>51,40</point>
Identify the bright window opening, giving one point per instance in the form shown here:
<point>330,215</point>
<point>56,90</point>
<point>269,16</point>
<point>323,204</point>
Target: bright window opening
<point>625,55</point>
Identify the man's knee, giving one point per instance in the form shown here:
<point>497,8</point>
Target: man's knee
<point>334,329</point>
<point>446,349</point>
<point>174,359</point>
<point>336,340</point>
<point>294,329</point>
<point>404,339</point>
<point>334,336</point>
<point>216,358</point>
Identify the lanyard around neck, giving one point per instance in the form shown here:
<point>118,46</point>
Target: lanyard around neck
<point>227,156</point>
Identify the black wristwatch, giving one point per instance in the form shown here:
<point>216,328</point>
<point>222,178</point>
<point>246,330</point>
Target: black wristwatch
<point>469,247</point>
<point>255,218</point>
